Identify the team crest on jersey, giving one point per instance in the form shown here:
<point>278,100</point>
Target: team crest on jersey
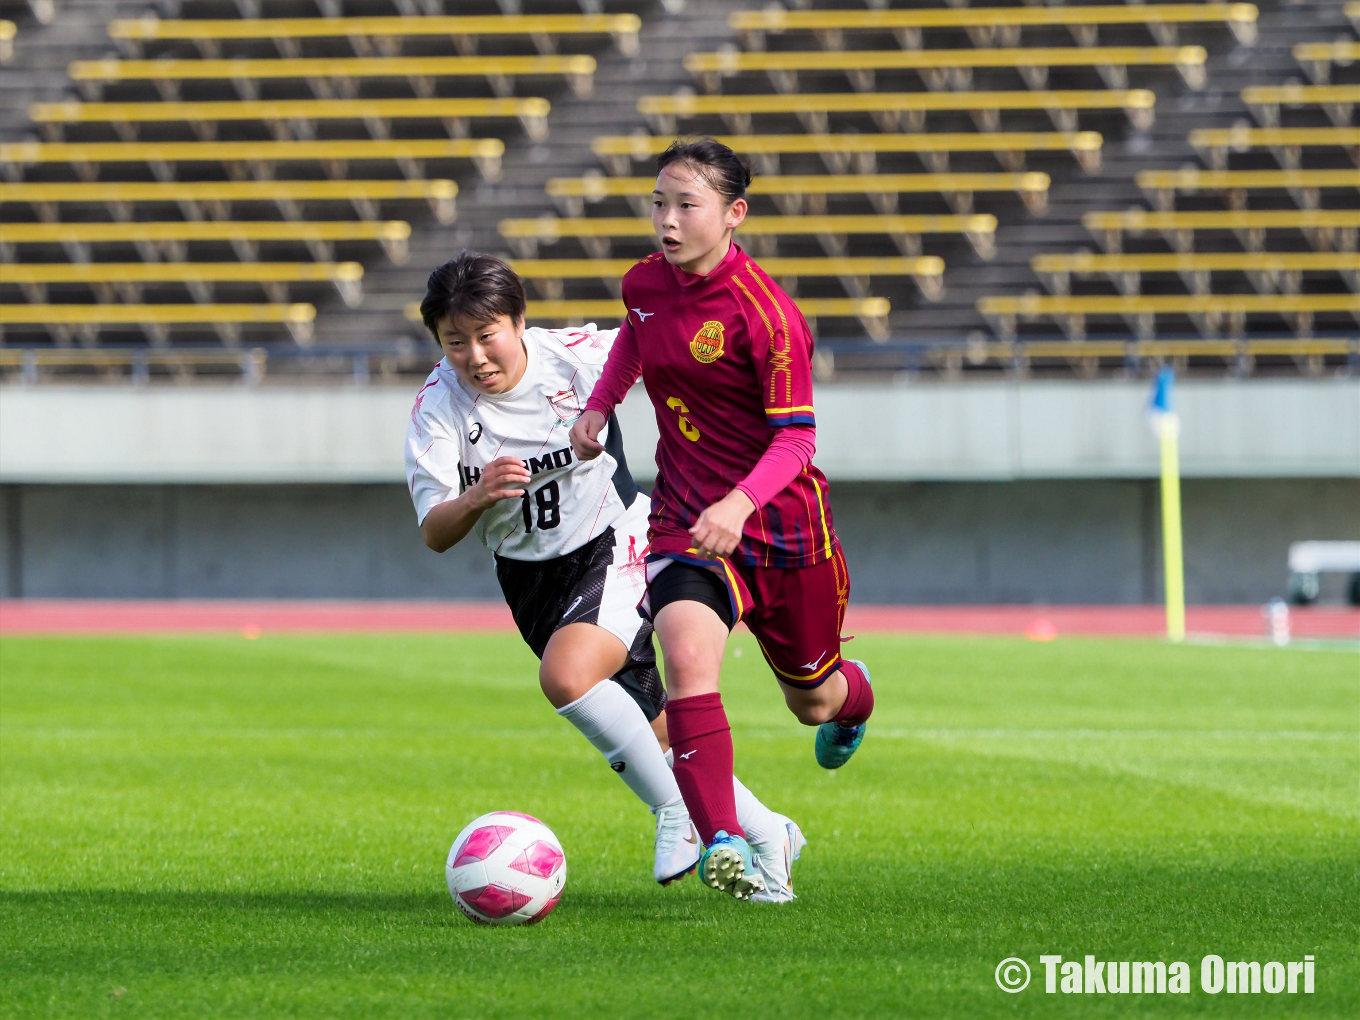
<point>707,345</point>
<point>566,405</point>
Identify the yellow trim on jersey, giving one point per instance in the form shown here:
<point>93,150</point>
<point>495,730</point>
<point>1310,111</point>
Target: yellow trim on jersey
<point>751,298</point>
<point>793,676</point>
<point>734,588</point>
<point>788,410</point>
<point>821,507</point>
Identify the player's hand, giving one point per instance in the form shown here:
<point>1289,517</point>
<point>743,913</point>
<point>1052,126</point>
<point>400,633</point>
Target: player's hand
<point>718,529</point>
<point>584,433</point>
<point>502,479</point>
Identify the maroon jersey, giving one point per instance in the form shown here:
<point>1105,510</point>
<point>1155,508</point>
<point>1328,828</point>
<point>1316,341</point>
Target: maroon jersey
<point>726,359</point>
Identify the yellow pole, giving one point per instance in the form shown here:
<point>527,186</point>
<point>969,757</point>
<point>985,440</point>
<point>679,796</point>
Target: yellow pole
<point>1173,559</point>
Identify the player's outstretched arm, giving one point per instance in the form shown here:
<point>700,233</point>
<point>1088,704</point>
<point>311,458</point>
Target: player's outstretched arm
<point>449,523</point>
<point>585,442</point>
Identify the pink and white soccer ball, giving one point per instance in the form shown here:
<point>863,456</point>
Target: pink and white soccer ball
<point>506,868</point>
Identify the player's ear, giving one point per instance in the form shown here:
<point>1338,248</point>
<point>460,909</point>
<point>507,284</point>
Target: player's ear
<point>736,212</point>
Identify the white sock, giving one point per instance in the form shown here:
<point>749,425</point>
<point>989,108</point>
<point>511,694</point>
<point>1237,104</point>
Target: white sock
<point>760,823</point>
<point>616,727</point>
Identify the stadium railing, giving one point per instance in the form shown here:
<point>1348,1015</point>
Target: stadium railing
<point>872,311</point>
<point>440,194</point>
<point>988,24</point>
<point>386,32</point>
<point>226,319</point>
<point>842,151</point>
<point>1268,271</point>
<point>274,277</point>
<point>1305,186</point>
<point>891,109</point>
<point>1317,58</point>
<point>500,72</point>
<point>1207,311</point>
<point>906,231</point>
<point>1324,228</point>
<point>1286,144</point>
<point>948,68</point>
<point>299,114</point>
<point>333,155</point>
<point>1337,101</point>
<point>319,236</point>
<point>793,193</point>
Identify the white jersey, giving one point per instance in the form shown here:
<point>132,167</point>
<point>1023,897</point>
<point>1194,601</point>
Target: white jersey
<point>455,431</point>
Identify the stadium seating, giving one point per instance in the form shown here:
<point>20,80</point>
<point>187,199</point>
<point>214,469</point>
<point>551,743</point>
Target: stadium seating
<point>891,110</point>
<point>1286,144</point>
<point>942,68</point>
<point>297,115</point>
<point>906,231</point>
<point>225,319</point>
<point>383,33</point>
<point>8,30</point>
<point>840,152</point>
<point>986,24</point>
<point>1268,271</point>
<point>793,193</point>
<point>218,195</point>
<point>330,76</point>
<point>1337,101</point>
<point>1208,312</point>
<point>1317,58</point>
<point>333,156</point>
<point>1306,186</point>
<point>130,277</point>
<point>1326,229</point>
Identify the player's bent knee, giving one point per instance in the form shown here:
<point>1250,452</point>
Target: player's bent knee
<point>809,707</point>
<point>562,687</point>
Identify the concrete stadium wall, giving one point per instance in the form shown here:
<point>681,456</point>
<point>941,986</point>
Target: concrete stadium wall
<point>1057,541</point>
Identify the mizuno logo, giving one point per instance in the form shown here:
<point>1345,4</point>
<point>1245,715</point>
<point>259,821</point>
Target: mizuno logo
<point>571,608</point>
<point>814,665</point>
<point>618,766</point>
<point>642,316</point>
<point>687,754</point>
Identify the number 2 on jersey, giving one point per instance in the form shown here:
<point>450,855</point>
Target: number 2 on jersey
<point>549,501</point>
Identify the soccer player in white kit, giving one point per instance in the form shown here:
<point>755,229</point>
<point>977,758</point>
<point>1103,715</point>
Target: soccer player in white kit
<point>487,452</point>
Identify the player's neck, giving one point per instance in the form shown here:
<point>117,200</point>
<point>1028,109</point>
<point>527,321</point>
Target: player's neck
<point>710,260</point>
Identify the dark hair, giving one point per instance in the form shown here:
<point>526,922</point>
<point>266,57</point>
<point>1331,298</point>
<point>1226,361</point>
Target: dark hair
<point>479,286</point>
<point>722,169</point>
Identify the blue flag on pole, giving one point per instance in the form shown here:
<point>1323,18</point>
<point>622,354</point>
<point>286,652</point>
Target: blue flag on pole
<point>1161,391</point>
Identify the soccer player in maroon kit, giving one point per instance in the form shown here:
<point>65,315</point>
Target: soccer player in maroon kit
<point>740,524</point>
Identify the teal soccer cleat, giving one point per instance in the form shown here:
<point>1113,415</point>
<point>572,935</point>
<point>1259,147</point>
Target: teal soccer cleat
<point>726,865</point>
<point>836,742</point>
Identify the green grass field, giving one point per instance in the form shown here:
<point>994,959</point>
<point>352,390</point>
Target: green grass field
<point>217,827</point>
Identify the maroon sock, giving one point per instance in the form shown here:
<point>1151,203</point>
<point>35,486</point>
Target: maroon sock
<point>702,741</point>
<point>859,696</point>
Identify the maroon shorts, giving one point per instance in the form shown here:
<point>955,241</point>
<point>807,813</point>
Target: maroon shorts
<point>795,613</point>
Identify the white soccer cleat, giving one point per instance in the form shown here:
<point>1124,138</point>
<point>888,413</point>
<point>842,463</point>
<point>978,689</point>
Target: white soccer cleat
<point>775,861</point>
<point>677,843</point>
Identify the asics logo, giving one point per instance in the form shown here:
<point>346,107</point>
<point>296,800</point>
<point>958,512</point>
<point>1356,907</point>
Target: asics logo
<point>687,754</point>
<point>475,434</point>
<point>642,316</point>
<point>571,608</point>
<point>814,665</point>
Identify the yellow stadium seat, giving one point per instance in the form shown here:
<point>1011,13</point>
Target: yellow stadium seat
<point>1285,143</point>
<point>531,112</point>
<point>1268,271</point>
<point>907,23</point>
<point>392,234</point>
<point>1337,101</point>
<point>347,276</point>
<point>527,234</point>
<point>8,30</point>
<point>1317,58</point>
<point>871,311</point>
<point>792,193</point>
<point>176,360</point>
<point>501,71</point>
<point>891,108</point>
<point>297,317</point>
<point>1324,228</point>
<point>838,150</point>
<point>485,153</point>
<point>439,193</point>
<point>465,29</point>
<point>1304,185</point>
<point>948,68</point>
<point>1208,311</point>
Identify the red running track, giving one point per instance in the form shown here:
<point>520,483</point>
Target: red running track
<point>251,618</point>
